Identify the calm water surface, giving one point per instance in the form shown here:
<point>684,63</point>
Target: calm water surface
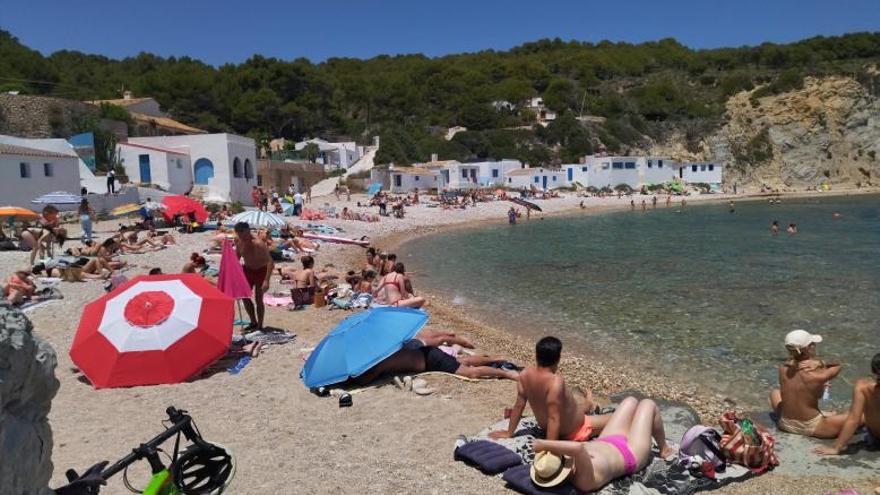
<point>706,293</point>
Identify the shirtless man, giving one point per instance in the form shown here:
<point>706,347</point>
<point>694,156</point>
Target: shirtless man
<point>802,379</point>
<point>559,413</point>
<point>305,283</point>
<point>257,269</point>
<point>865,409</point>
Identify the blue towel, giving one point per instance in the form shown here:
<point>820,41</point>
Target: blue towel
<point>488,457</point>
<point>520,480</point>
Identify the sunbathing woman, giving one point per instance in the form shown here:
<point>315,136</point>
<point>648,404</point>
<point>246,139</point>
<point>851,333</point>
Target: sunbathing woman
<point>195,264</point>
<point>108,249</point>
<point>89,248</point>
<point>392,290</point>
<point>429,358</point>
<point>623,448</point>
<point>19,287</point>
<point>304,283</point>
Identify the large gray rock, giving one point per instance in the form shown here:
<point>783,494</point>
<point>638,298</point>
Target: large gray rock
<point>27,386</point>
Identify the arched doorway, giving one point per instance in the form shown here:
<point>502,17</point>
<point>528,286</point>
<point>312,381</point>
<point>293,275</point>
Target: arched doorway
<point>248,169</point>
<point>236,168</point>
<point>203,170</point>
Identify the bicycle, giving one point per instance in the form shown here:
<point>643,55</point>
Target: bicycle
<point>201,468</point>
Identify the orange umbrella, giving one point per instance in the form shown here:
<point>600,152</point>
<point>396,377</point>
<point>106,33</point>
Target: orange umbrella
<point>18,212</point>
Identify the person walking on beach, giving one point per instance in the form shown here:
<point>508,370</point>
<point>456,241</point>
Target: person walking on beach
<point>111,182</point>
<point>802,381</point>
<point>257,269</point>
<point>644,205</point>
<point>632,204</point>
<point>86,215</point>
<point>668,200</point>
<point>865,409</point>
<point>557,410</point>
<point>654,202</point>
<point>297,204</point>
<point>511,216</point>
<point>255,196</point>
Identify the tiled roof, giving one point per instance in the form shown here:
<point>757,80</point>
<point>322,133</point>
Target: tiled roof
<point>9,149</point>
<point>166,122</point>
<point>412,171</point>
<point>155,148</point>
<point>439,163</point>
<point>521,171</point>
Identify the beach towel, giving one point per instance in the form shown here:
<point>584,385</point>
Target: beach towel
<point>660,477</point>
<point>488,457</point>
<point>269,337</point>
<point>270,300</point>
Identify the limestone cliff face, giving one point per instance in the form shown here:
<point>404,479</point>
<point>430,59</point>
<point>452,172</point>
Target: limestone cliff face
<point>829,131</point>
<point>27,386</point>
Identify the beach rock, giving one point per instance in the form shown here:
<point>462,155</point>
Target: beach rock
<point>27,386</point>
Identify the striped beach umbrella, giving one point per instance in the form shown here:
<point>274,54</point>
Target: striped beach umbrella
<point>58,198</point>
<point>152,330</point>
<point>256,218</point>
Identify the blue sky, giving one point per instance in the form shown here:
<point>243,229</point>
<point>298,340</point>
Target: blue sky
<point>221,31</point>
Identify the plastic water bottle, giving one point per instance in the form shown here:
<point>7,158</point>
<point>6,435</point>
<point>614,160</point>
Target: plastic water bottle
<point>826,394</point>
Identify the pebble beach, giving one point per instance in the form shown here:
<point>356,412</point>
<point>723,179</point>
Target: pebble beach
<point>287,440</point>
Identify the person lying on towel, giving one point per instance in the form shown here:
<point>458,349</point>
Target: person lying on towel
<point>559,412</point>
<point>623,448</point>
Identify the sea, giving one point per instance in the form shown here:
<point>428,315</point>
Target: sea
<point>703,293</point>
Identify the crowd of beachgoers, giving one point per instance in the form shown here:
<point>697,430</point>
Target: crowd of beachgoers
<point>330,256</point>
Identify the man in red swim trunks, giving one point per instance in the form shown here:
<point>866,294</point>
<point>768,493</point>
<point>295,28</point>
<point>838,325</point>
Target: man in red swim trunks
<point>561,415</point>
<point>257,269</point>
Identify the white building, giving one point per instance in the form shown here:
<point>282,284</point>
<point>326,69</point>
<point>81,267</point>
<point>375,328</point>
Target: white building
<point>543,115</point>
<point>454,174</point>
<point>408,179</point>
<point>169,168</point>
<point>27,173</point>
<point>493,173</point>
<point>333,155</point>
<point>539,178</point>
<point>702,172</point>
<point>223,165</point>
<point>612,171</point>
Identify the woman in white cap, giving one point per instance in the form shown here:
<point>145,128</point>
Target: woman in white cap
<point>802,381</point>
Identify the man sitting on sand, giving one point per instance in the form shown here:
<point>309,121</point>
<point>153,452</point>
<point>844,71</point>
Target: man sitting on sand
<point>257,269</point>
<point>559,413</point>
<point>623,448</point>
<point>865,409</point>
<point>802,379</point>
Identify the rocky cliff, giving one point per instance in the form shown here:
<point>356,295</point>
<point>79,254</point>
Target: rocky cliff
<point>27,386</point>
<point>828,131</point>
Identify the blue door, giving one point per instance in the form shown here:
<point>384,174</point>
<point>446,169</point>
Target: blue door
<point>545,181</point>
<point>570,174</point>
<point>144,163</point>
<point>203,170</point>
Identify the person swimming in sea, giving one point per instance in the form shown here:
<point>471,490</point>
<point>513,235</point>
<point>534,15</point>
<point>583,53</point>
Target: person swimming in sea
<point>792,229</point>
<point>774,227</point>
<point>511,216</point>
<point>732,207</point>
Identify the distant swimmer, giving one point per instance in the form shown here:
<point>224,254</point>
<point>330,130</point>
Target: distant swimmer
<point>644,205</point>
<point>732,207</point>
<point>654,202</point>
<point>582,206</point>
<point>792,228</point>
<point>511,216</point>
<point>683,202</point>
<point>836,216</point>
<point>632,205</point>
<point>774,227</point>
<point>668,200</point>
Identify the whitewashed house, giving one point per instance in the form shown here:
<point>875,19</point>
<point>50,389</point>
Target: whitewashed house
<point>27,173</point>
<point>658,170</point>
<point>493,173</point>
<point>456,175</point>
<point>539,178</point>
<point>543,115</point>
<point>168,168</point>
<point>701,172</point>
<point>223,165</point>
<point>333,155</point>
<point>408,179</point>
<point>612,171</point>
<point>576,174</point>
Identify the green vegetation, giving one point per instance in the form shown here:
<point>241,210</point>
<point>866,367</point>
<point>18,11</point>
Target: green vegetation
<point>642,91</point>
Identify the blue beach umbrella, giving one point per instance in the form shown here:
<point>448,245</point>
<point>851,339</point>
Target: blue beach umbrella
<point>374,188</point>
<point>360,342</point>
<point>287,208</point>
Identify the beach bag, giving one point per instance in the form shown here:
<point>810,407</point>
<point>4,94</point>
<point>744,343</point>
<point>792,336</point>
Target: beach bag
<point>747,443</point>
<point>320,301</point>
<point>704,442</point>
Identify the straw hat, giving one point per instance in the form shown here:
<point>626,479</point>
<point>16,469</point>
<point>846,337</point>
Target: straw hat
<point>549,469</point>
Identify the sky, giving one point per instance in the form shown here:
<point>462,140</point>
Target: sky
<point>222,31</point>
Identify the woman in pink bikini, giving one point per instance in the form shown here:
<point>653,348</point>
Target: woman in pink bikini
<point>623,448</point>
<point>392,290</point>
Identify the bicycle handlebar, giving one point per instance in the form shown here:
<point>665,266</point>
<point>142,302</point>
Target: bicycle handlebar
<point>182,424</point>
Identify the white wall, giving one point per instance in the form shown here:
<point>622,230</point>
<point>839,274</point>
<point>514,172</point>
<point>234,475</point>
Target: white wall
<point>502,166</point>
<point>170,171</point>
<point>703,173</point>
<point>555,179</point>
<point>658,170</point>
<point>579,173</point>
<point>18,191</point>
<point>409,182</point>
<point>221,150</point>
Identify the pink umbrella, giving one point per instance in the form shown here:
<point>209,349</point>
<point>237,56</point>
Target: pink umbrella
<point>231,280</point>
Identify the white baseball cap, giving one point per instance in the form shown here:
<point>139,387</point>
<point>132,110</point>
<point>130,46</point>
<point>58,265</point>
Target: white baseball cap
<point>800,339</point>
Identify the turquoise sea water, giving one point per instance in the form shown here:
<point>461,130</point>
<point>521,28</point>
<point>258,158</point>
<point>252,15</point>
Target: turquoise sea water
<point>705,293</point>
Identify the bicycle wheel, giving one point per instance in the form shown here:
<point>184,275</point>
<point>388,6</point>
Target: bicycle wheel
<point>204,470</point>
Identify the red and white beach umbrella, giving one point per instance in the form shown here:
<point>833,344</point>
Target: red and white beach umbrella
<point>151,330</point>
